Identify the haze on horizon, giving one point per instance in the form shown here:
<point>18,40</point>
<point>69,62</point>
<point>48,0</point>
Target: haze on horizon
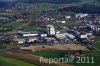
<point>8,0</point>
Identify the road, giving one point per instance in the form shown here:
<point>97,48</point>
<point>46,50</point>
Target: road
<point>38,19</point>
<point>16,30</point>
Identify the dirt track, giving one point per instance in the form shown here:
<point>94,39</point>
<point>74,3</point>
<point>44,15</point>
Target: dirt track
<point>24,56</point>
<point>55,47</point>
<point>30,58</point>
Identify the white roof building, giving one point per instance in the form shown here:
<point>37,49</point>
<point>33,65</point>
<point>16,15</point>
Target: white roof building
<point>68,17</point>
<point>65,35</point>
<point>30,34</point>
<point>51,30</point>
<point>81,15</point>
<point>61,21</point>
<point>83,36</point>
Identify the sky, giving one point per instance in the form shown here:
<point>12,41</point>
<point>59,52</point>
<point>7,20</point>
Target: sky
<point>8,0</point>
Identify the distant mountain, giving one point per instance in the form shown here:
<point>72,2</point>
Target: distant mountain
<point>94,2</point>
<point>6,3</point>
<point>91,9</point>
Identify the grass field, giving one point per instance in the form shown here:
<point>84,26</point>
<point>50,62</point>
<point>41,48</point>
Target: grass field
<point>4,61</point>
<point>50,53</point>
<point>33,28</point>
<point>97,45</point>
<point>60,53</point>
<point>13,25</point>
<point>97,38</point>
<point>47,6</point>
<point>30,28</point>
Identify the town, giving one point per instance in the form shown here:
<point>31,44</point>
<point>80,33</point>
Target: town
<point>82,31</point>
<point>34,29</point>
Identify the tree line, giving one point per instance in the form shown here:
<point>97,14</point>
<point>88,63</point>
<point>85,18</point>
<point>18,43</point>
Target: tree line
<point>83,9</point>
<point>51,1</point>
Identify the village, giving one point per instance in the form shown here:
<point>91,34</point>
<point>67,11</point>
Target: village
<point>34,32</point>
<point>83,31</point>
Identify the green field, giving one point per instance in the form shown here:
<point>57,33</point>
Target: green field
<point>97,38</point>
<point>95,2</point>
<point>4,61</point>
<point>97,45</point>
<point>13,25</point>
<point>60,53</point>
<point>97,42</point>
<point>34,28</point>
<point>47,6</point>
<point>30,28</point>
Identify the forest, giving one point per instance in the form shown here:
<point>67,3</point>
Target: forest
<point>83,9</point>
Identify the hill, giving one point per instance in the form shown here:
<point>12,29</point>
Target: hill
<point>94,2</point>
<point>92,9</point>
<point>51,1</point>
